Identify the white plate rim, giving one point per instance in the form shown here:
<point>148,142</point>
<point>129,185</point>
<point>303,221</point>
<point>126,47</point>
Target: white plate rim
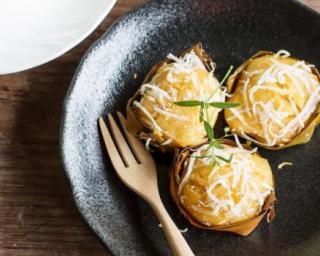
<point>65,49</point>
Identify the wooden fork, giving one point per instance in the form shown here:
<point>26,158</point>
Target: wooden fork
<point>137,170</point>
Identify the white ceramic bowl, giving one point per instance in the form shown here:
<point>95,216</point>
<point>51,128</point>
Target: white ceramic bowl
<point>33,32</point>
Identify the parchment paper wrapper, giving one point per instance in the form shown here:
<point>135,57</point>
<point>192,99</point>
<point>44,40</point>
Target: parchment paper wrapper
<point>242,228</point>
<point>303,136</point>
<point>133,124</point>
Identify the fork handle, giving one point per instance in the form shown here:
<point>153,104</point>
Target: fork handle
<point>178,244</point>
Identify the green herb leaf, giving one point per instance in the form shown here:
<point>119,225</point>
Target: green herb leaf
<point>209,130</point>
<point>217,145</point>
<point>225,159</point>
<point>201,117</point>
<point>223,104</point>
<point>188,103</point>
<point>216,162</point>
<point>226,75</point>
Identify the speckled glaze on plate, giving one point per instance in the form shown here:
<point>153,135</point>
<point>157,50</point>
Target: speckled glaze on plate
<point>231,31</point>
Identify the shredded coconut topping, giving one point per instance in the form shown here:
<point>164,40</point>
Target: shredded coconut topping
<point>283,53</point>
<point>147,145</point>
<point>273,119</point>
<point>280,166</point>
<point>162,99</point>
<point>183,230</point>
<point>242,167</point>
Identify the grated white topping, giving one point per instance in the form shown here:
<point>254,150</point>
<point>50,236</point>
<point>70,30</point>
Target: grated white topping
<point>244,93</point>
<point>242,167</point>
<point>147,114</point>
<point>272,119</point>
<point>280,166</point>
<point>170,114</point>
<point>188,61</point>
<point>167,142</point>
<point>155,91</point>
<point>283,53</point>
<point>147,145</point>
<point>163,99</point>
<point>236,138</point>
<point>183,230</point>
<point>188,173</point>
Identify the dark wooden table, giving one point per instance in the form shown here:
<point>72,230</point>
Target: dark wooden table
<point>37,213</point>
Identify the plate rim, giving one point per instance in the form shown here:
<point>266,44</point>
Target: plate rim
<point>65,103</point>
<point>67,47</point>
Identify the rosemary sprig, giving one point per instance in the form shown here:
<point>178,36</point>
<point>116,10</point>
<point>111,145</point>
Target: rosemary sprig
<point>204,117</point>
<point>195,103</point>
<point>214,143</point>
<point>224,79</point>
<point>209,130</point>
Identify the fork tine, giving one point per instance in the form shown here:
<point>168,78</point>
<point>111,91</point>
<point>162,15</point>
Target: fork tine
<point>123,147</point>
<point>111,148</point>
<point>137,147</point>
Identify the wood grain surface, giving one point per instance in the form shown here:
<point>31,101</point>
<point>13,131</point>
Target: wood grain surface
<point>37,213</point>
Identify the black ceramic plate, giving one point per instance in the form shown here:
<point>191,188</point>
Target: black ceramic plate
<point>231,31</point>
